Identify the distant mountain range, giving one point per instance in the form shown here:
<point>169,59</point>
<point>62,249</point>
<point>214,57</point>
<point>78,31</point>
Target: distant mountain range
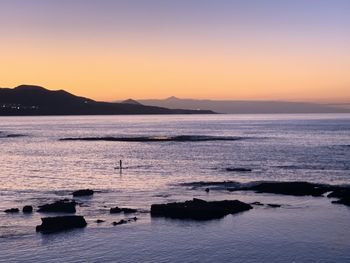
<point>36,100</point>
<point>245,107</point>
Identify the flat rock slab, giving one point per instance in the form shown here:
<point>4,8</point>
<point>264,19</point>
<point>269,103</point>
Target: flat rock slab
<point>289,188</point>
<point>198,209</point>
<point>60,223</point>
<point>62,206</point>
<point>83,192</point>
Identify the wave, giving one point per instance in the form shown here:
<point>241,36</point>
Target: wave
<point>216,184</point>
<point>180,138</point>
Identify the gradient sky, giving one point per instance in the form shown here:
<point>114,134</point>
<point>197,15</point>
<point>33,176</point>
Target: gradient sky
<point>238,49</point>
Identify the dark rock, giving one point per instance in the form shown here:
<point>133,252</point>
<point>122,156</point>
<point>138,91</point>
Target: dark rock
<point>120,222</point>
<point>340,193</point>
<point>99,221</point>
<point>289,188</point>
<point>62,206</point>
<point>257,203</point>
<point>343,201</point>
<point>129,210</point>
<point>238,169</point>
<point>12,210</point>
<point>60,223</point>
<point>207,190</point>
<point>274,205</point>
<point>180,138</point>
<point>27,209</point>
<point>343,194</point>
<point>117,210</point>
<point>198,209</point>
<point>125,221</point>
<point>83,192</point>
<point>15,135</point>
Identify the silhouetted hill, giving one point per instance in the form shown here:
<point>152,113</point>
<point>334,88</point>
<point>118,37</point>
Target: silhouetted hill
<point>35,100</point>
<point>131,101</point>
<point>243,107</point>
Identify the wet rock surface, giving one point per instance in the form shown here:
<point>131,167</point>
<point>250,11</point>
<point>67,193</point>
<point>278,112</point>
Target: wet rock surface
<point>60,223</point>
<point>198,209</point>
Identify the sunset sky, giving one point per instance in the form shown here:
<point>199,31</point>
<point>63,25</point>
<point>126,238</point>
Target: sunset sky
<point>217,49</point>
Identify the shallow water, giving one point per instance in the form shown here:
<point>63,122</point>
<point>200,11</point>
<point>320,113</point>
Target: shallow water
<point>38,168</point>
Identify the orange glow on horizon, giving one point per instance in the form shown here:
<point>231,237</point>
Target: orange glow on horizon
<point>242,67</point>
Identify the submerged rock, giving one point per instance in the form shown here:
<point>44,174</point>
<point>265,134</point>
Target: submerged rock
<point>27,209</point>
<point>12,210</point>
<point>83,192</point>
<point>60,223</point>
<point>274,205</point>
<point>198,209</point>
<point>62,206</point>
<point>257,203</point>
<point>116,210</point>
<point>124,221</point>
<point>120,222</point>
<point>129,210</point>
<point>99,221</point>
<point>238,169</point>
<point>180,138</point>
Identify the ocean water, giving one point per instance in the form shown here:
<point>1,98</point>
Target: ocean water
<point>37,168</point>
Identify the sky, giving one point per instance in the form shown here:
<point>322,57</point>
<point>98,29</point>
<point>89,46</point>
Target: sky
<point>297,50</point>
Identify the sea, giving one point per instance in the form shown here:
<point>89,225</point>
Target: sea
<point>38,167</point>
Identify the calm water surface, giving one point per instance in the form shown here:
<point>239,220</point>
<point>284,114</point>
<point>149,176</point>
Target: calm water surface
<point>37,168</point>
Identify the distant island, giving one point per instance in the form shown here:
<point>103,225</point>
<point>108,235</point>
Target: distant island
<point>246,106</point>
<point>33,100</point>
